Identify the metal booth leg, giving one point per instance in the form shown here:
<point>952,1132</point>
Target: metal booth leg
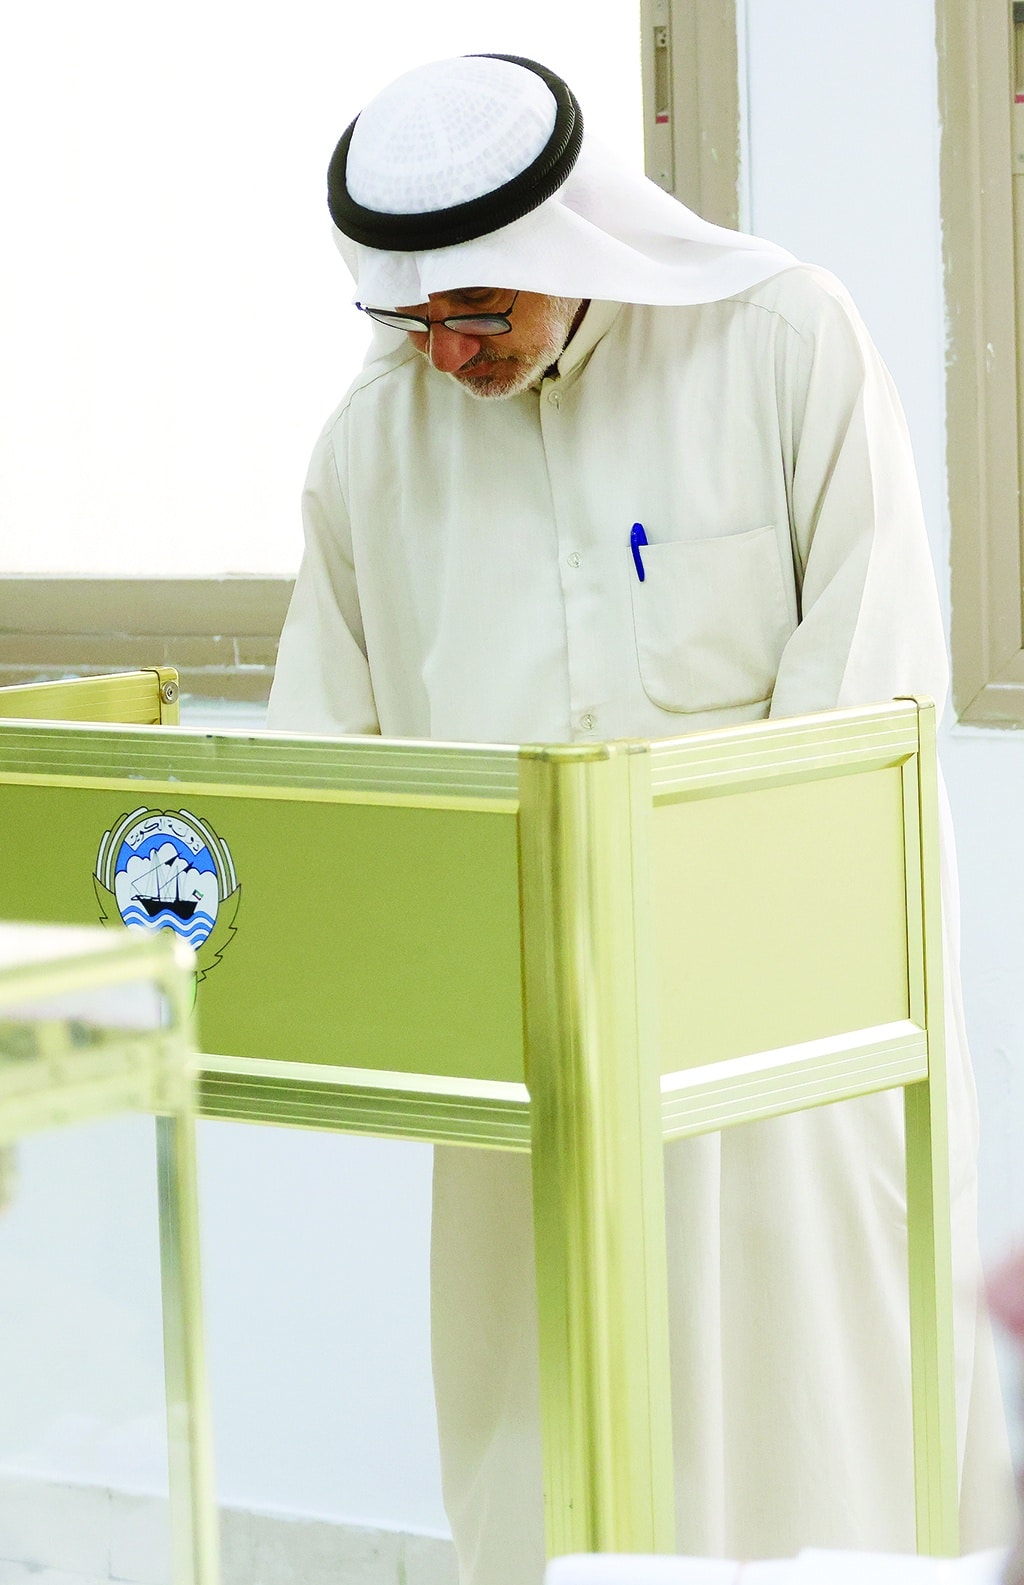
<point>936,1484</point>
<point>194,1538</point>
<point>930,1264</point>
<point>598,1174</point>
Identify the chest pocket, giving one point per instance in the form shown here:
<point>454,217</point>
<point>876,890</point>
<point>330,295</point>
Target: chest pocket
<point>711,620</point>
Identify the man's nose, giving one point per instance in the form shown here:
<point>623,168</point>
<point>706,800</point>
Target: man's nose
<point>448,349</point>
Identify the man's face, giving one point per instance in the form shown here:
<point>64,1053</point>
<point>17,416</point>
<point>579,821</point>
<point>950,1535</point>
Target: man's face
<point>495,366</point>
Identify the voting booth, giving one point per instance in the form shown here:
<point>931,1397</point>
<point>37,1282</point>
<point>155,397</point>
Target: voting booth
<point>92,1024</point>
<point>536,948</point>
<point>131,698</point>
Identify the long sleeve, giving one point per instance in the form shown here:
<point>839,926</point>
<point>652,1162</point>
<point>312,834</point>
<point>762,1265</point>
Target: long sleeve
<point>322,681</point>
<point>870,627</point>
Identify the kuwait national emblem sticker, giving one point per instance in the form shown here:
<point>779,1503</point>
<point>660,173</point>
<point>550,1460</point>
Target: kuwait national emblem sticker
<point>168,870</point>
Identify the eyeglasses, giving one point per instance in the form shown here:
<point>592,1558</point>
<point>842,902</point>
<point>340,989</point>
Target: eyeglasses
<point>467,324</point>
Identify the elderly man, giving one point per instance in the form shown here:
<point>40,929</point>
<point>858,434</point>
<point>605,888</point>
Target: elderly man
<point>610,471</point>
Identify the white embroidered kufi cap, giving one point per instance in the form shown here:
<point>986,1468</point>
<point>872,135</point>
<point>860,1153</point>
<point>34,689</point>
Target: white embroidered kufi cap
<point>453,151</point>
<point>476,172</point>
<point>480,125</point>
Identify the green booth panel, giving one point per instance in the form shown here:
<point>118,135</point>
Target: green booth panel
<point>329,928</point>
<point>780,941</point>
<point>357,904</point>
<point>790,926</point>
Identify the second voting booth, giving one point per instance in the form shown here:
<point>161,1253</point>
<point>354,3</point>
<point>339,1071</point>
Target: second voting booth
<point>536,948</point>
<point>93,1024</point>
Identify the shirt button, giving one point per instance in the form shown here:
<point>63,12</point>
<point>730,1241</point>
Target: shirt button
<point>574,558</point>
<point>588,721</point>
<point>554,398</point>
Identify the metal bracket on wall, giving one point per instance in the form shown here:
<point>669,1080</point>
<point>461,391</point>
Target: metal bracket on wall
<point>689,58</point>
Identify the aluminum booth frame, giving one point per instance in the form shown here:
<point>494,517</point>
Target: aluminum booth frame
<point>533,948</point>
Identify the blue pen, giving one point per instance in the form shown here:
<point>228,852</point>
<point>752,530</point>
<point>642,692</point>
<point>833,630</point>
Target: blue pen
<point>637,537</point>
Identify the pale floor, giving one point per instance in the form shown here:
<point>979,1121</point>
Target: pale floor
<point>53,1534</point>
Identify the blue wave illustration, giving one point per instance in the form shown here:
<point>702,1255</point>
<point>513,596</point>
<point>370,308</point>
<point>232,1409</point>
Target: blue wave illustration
<point>194,931</point>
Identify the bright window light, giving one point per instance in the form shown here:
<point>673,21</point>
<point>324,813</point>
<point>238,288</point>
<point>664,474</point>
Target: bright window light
<point>175,324</point>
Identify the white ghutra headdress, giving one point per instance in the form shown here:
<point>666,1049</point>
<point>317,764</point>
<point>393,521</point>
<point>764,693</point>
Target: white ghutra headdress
<point>476,172</point>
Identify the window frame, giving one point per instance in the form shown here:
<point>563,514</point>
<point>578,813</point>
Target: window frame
<point>697,156</point>
<point>220,634</point>
<point>985,349</point>
<point>975,43</point>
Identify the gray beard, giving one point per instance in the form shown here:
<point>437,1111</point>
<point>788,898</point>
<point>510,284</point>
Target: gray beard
<point>529,367</point>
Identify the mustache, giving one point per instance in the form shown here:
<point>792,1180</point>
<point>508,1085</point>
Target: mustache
<point>481,358</point>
